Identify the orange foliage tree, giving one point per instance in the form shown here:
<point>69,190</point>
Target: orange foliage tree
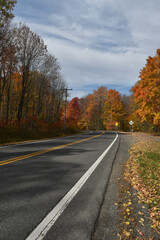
<point>146,93</point>
<point>113,109</point>
<point>31,85</point>
<point>73,113</point>
<point>92,109</point>
<point>102,109</point>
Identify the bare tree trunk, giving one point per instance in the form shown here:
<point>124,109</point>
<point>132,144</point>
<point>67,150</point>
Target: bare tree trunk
<point>2,87</point>
<point>40,98</point>
<point>27,104</point>
<point>8,100</point>
<point>21,104</point>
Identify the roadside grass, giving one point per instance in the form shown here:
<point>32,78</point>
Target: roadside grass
<point>142,170</point>
<point>149,165</point>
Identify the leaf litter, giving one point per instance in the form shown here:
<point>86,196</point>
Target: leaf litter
<point>139,191</point>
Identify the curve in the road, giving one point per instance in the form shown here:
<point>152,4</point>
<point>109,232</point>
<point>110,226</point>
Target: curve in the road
<point>4,162</point>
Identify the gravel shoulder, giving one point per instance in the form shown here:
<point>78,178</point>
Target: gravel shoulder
<point>122,215</point>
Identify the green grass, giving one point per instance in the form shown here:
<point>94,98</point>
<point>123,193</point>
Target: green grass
<point>149,164</point>
<point>143,172</point>
<point>149,170</point>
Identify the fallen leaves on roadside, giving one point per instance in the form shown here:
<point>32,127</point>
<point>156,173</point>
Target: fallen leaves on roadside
<point>142,171</point>
<point>139,196</point>
<point>127,223</point>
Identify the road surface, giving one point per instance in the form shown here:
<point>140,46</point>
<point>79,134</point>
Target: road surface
<point>36,178</point>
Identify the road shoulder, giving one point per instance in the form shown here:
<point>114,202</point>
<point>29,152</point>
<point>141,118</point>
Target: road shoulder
<point>122,216</point>
<point>106,227</point>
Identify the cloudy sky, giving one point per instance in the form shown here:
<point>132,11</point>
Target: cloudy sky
<point>97,42</point>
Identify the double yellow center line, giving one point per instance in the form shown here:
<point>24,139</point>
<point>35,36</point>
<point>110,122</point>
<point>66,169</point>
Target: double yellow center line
<point>16,159</point>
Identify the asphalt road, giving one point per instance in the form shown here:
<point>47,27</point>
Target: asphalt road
<point>34,177</point>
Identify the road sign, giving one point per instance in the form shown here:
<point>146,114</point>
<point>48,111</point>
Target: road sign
<point>116,124</point>
<point>131,122</point>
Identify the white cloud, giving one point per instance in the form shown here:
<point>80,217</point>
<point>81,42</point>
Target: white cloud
<point>143,20</point>
<point>97,42</point>
<point>89,66</point>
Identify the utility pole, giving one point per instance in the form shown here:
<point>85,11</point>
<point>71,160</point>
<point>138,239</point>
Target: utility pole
<point>65,106</point>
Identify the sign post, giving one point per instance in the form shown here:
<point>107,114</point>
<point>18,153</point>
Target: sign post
<point>131,124</point>
<point>116,124</point>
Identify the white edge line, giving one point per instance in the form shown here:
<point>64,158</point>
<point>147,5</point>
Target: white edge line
<point>41,230</point>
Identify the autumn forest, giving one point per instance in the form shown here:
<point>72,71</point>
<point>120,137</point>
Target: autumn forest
<point>33,92</point>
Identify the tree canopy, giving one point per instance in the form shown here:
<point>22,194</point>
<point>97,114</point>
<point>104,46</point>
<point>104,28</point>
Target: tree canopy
<point>146,92</point>
<point>6,8</point>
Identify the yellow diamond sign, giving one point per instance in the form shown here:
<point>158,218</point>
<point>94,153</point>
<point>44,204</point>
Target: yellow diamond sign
<point>116,124</point>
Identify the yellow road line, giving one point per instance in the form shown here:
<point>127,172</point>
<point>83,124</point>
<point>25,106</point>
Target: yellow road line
<point>44,151</point>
